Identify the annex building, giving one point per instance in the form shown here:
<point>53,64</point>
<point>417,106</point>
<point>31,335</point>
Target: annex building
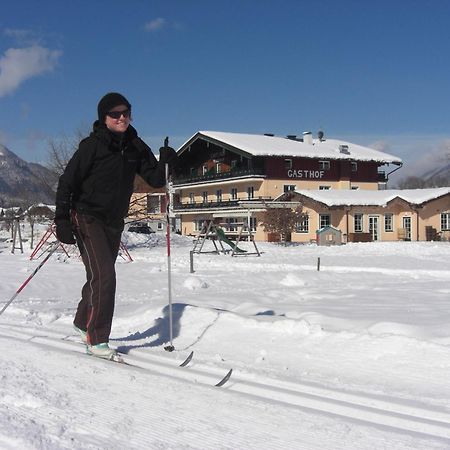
<point>364,215</point>
<point>234,178</point>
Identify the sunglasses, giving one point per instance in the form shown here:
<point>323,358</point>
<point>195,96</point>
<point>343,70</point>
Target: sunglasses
<point>116,114</point>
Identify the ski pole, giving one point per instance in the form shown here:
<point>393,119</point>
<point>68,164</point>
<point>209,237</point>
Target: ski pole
<point>170,347</point>
<point>50,253</point>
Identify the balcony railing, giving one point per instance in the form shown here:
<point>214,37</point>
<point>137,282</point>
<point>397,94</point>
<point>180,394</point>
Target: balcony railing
<point>212,176</point>
<point>382,178</point>
<point>216,204</point>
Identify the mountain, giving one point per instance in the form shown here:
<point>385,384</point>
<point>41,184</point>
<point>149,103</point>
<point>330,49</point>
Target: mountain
<point>441,171</point>
<point>23,183</point>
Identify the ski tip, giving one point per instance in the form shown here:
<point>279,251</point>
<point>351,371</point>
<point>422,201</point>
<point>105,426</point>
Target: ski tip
<point>187,360</point>
<point>224,379</point>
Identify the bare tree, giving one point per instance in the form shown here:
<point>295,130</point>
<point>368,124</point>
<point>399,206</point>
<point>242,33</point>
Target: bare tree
<point>415,182</point>
<point>283,221</point>
<point>62,149</point>
<point>412,182</point>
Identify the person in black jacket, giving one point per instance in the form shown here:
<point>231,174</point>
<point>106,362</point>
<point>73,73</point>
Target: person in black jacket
<point>92,199</point>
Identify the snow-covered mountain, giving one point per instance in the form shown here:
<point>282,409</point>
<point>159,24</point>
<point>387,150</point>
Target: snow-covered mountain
<point>23,182</point>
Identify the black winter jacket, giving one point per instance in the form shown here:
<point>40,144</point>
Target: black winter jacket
<point>98,179</point>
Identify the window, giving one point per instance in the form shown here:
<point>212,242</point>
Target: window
<point>200,225</point>
<point>289,187</point>
<point>233,163</point>
<point>153,204</point>
<point>204,170</point>
<point>234,194</point>
<point>193,171</point>
<point>303,225</point>
<point>358,223</point>
<point>389,222</point>
<point>324,165</point>
<point>354,166</point>
<point>253,223</point>
<point>445,221</point>
<point>205,196</point>
<point>288,163</point>
<point>324,188</point>
<point>324,220</point>
<point>250,192</point>
<point>231,224</point>
<point>218,168</point>
<point>191,198</point>
<point>219,195</point>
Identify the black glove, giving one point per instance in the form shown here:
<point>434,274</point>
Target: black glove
<point>167,155</point>
<point>64,232</point>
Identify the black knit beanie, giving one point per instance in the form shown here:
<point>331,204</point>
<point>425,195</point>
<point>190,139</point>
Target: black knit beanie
<point>110,101</point>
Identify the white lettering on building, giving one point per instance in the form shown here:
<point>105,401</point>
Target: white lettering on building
<point>304,173</point>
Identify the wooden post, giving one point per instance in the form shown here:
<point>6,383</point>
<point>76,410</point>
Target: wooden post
<point>191,260</point>
<point>318,264</point>
<point>16,232</point>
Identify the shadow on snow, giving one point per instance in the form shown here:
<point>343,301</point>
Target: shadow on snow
<point>160,329</point>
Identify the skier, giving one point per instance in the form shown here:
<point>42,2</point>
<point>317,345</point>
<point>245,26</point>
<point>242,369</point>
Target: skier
<point>92,199</point>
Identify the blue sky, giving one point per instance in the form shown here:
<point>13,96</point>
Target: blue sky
<point>375,73</point>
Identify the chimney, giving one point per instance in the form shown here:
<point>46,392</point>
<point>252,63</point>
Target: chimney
<point>307,137</point>
<point>344,149</point>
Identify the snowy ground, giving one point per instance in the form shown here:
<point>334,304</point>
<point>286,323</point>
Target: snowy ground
<point>355,356</point>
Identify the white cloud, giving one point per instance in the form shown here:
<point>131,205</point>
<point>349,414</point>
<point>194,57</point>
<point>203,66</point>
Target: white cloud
<point>20,64</point>
<point>155,25</point>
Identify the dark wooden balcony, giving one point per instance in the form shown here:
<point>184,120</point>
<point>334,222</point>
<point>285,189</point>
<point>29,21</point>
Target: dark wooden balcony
<point>382,178</point>
<point>213,176</point>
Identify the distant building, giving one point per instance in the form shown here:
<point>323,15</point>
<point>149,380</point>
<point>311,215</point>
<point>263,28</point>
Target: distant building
<point>233,177</point>
<point>147,204</point>
<point>364,215</point>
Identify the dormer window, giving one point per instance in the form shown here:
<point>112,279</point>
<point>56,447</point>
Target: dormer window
<point>324,165</point>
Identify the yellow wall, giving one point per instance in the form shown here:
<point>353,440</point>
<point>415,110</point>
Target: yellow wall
<point>262,188</point>
<point>343,219</point>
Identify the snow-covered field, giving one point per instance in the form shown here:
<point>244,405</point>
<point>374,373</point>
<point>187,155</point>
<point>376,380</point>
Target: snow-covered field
<point>353,356</point>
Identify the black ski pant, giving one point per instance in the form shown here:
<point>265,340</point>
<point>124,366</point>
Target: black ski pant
<point>99,246</point>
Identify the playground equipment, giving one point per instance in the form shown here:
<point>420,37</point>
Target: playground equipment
<point>216,233</point>
<point>46,242</point>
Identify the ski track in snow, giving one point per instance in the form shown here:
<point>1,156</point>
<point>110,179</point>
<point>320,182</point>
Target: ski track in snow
<point>367,410</point>
<point>354,356</point>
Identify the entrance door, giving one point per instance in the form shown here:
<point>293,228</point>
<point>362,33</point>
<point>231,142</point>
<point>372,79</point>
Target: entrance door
<point>373,227</point>
<point>407,227</point>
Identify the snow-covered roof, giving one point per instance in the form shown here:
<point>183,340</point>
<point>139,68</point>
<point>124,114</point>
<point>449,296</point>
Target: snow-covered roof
<point>41,205</point>
<point>365,197</point>
<point>262,145</point>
